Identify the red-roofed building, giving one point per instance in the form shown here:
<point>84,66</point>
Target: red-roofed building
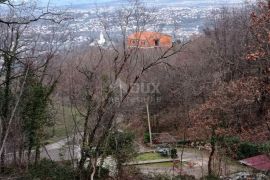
<point>261,162</point>
<point>149,40</point>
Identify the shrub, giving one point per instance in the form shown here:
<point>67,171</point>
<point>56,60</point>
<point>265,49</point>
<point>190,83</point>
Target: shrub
<point>265,148</point>
<point>174,153</point>
<point>231,145</point>
<point>231,140</point>
<point>103,173</point>
<point>146,137</point>
<point>247,149</point>
<point>241,150</point>
<point>47,169</point>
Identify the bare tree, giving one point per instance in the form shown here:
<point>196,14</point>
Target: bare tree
<point>99,69</point>
<point>23,54</point>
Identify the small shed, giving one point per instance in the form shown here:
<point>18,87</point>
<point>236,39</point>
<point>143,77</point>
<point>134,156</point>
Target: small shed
<point>260,162</point>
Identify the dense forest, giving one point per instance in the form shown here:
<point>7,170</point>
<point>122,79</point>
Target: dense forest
<point>93,112</point>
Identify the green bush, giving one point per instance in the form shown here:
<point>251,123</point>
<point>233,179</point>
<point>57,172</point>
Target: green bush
<point>47,169</point>
<point>231,140</point>
<point>146,137</point>
<point>174,153</point>
<point>265,148</point>
<point>247,150</point>
<point>241,150</point>
<point>230,144</point>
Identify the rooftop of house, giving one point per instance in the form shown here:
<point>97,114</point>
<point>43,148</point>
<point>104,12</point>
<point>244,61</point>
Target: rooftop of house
<point>260,162</point>
<point>147,35</point>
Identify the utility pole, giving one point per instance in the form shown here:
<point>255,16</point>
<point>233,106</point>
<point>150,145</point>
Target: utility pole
<point>149,123</point>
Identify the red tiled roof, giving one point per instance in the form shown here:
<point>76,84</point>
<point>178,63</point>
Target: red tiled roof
<point>261,162</point>
<point>147,35</point>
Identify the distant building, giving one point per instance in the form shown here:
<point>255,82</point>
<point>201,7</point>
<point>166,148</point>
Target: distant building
<point>101,40</point>
<point>149,40</point>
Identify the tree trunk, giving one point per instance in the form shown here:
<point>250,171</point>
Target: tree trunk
<point>119,170</point>
<point>5,109</point>
<point>85,134</point>
<point>213,149</point>
<point>94,165</point>
<point>3,161</point>
<point>15,154</point>
<point>182,153</point>
<point>29,154</point>
<point>93,173</point>
<point>37,156</point>
<point>149,122</point>
<point>100,166</point>
<point>21,155</point>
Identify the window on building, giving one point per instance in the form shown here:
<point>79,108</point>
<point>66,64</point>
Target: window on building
<point>157,42</point>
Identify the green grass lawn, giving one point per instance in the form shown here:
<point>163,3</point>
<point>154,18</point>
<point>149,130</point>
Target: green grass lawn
<point>65,119</point>
<point>149,156</point>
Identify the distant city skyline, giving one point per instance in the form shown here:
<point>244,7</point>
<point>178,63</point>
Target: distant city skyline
<point>185,2</point>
